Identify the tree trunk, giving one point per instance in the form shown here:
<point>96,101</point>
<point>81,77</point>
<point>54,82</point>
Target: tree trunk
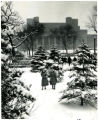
<point>32,43</point>
<point>66,50</point>
<point>65,44</point>
<point>13,51</point>
<point>73,44</point>
<point>32,51</point>
<point>29,52</point>
<point>11,42</point>
<point>94,46</point>
<point>82,101</point>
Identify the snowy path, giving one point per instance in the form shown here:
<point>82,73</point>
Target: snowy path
<point>47,106</point>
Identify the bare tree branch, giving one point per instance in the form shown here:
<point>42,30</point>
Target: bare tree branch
<point>9,16</point>
<point>92,20</point>
<point>24,38</point>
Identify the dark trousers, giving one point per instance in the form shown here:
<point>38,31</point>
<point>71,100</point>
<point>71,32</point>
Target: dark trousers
<point>53,86</point>
<point>69,64</point>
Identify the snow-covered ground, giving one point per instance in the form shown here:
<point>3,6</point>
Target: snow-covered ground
<point>47,106</point>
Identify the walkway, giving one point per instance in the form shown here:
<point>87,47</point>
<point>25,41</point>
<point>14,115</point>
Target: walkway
<point>47,106</point>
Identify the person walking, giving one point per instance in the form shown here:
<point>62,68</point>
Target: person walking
<point>74,59</point>
<point>44,78</point>
<point>69,60</point>
<point>53,78</point>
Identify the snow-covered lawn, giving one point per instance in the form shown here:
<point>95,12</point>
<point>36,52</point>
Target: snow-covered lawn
<point>47,106</point>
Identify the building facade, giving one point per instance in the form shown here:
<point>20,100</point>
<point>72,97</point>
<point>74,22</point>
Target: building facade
<point>48,41</point>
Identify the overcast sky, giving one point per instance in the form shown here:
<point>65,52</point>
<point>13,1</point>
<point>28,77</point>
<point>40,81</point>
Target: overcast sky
<point>55,11</point>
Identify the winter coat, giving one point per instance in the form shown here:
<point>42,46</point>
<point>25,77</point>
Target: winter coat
<point>69,60</point>
<point>53,77</point>
<point>74,59</point>
<point>44,78</point>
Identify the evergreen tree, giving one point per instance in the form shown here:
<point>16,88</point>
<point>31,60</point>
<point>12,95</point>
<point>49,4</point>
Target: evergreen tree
<point>40,54</point>
<point>15,99</point>
<point>38,59</point>
<point>54,54</point>
<point>83,86</point>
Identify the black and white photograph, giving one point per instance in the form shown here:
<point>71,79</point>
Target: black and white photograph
<point>49,60</point>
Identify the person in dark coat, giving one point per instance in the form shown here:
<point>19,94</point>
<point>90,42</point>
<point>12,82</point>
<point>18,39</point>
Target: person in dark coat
<point>44,78</point>
<point>53,78</point>
<point>74,59</point>
<point>69,60</point>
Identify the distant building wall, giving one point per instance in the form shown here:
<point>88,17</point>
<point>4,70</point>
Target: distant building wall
<point>82,36</point>
<point>90,40</point>
<point>48,41</point>
<point>29,21</point>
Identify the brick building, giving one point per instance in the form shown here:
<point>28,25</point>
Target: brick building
<point>47,41</point>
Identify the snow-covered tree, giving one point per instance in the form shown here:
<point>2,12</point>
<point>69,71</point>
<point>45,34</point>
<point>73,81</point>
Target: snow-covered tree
<point>10,21</point>
<point>38,59</point>
<point>16,97</point>
<point>10,18</point>
<point>54,54</point>
<point>41,54</point>
<point>83,74</point>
